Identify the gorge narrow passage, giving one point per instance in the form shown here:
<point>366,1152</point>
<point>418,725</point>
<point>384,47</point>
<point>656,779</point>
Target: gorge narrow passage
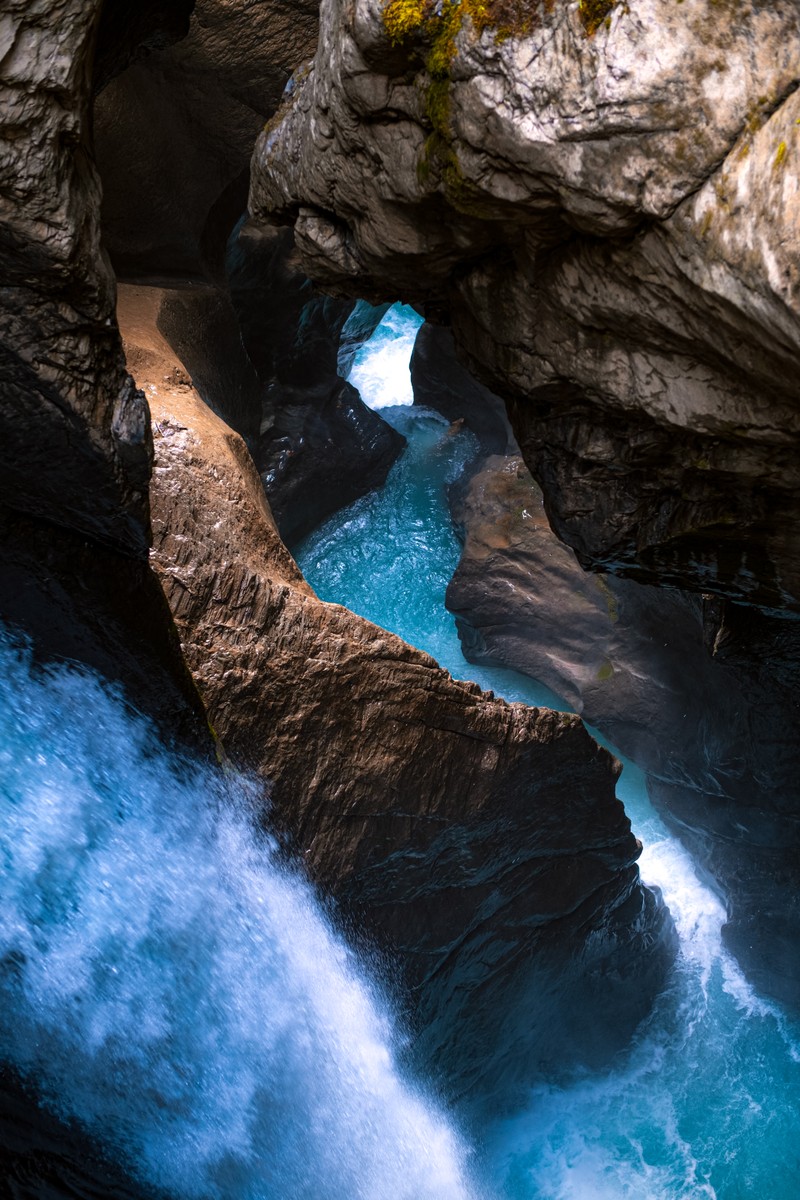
<point>706,1103</point>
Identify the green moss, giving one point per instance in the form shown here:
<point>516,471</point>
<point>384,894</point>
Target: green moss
<point>439,23</point>
<point>610,599</point>
<point>430,28</point>
<point>594,13</point>
<point>781,155</point>
<point>404,17</point>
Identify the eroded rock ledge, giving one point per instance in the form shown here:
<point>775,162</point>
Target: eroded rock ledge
<point>480,843</point>
<point>610,222</point>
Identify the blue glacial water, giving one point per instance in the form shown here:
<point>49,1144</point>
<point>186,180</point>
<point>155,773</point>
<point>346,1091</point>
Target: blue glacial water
<point>706,1103</point>
<point>167,983</point>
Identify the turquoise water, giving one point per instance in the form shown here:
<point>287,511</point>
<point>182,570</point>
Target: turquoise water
<point>167,983</point>
<point>706,1103</point>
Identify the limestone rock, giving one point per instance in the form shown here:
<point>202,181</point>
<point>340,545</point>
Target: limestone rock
<point>706,703</point>
<point>478,843</point>
<point>74,429</point>
<point>202,327</point>
<point>609,218</point>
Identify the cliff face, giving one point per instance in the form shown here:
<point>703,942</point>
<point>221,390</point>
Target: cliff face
<point>182,123</point>
<point>317,446</point>
<point>75,444</point>
<point>704,702</point>
<point>606,210</point>
<point>74,429</point>
<point>479,843</point>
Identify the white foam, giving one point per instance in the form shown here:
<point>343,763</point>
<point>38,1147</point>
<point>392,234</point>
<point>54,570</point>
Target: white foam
<point>380,369</point>
<point>177,991</point>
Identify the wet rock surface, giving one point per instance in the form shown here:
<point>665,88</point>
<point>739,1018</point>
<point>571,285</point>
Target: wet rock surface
<point>318,446</point>
<point>75,600</point>
<point>76,445</point>
<point>44,1158</point>
<point>478,843</point>
<point>440,381</point>
<point>607,215</point>
<point>698,693</point>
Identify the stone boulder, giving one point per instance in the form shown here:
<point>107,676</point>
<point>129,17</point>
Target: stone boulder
<point>606,211</point>
<point>701,695</point>
<point>478,844</point>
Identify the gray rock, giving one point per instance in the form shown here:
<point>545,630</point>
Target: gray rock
<point>700,694</point>
<point>175,132</point>
<point>75,434</point>
<point>440,381</point>
<point>318,446</point>
<point>609,220</point>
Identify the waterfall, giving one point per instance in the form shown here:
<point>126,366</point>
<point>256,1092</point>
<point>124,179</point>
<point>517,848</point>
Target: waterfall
<point>171,986</point>
<point>705,1105</point>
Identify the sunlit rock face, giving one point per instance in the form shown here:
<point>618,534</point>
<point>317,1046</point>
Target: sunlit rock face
<point>479,843</point>
<point>608,216</point>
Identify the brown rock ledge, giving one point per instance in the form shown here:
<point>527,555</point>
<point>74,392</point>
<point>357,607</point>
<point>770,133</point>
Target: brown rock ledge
<point>478,842</point>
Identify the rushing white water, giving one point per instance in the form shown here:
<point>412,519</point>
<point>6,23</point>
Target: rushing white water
<point>380,368</point>
<point>167,983</point>
<point>706,1104</point>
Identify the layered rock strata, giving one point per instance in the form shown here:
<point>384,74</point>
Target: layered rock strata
<point>697,694</point>
<point>478,843</point>
<point>606,210</point>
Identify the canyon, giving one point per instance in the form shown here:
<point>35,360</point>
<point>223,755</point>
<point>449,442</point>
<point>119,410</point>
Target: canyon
<point>598,220</point>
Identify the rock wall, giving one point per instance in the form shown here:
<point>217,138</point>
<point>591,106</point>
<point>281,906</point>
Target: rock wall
<point>696,693</point>
<point>439,381</point>
<point>182,124</point>
<point>74,430</point>
<point>182,121</point>
<point>75,442</point>
<point>318,446</point>
<point>607,213</point>
<point>478,843</point>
